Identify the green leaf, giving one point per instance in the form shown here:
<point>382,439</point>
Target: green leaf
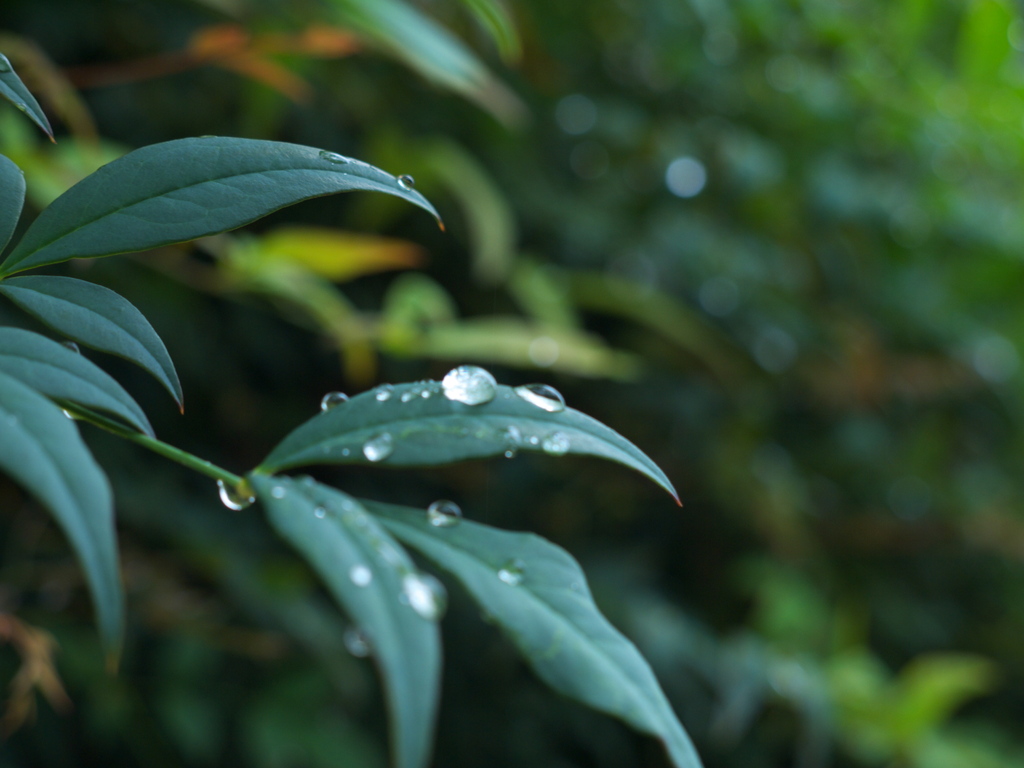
<point>12,198</point>
<point>427,431</point>
<point>494,17</point>
<point>189,188</point>
<point>42,451</point>
<point>430,49</point>
<point>97,317</point>
<point>537,593</point>
<point>55,371</point>
<point>12,89</point>
<point>368,573</point>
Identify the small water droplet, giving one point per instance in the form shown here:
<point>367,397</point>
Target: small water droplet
<point>512,572</point>
<point>470,385</point>
<point>425,394</point>
<point>384,392</point>
<point>576,586</point>
<point>444,514</point>
<point>278,491</point>
<point>356,643</point>
<point>235,498</point>
<point>320,512</point>
<point>379,448</point>
<point>345,451</point>
<point>332,399</point>
<point>360,575</point>
<point>513,439</point>
<point>425,595</point>
<point>334,157</point>
<point>405,181</point>
<point>544,397</point>
<point>556,444</point>
<point>72,346</point>
<point>534,440</point>
<point>5,65</point>
<point>68,413</point>
<point>408,396</point>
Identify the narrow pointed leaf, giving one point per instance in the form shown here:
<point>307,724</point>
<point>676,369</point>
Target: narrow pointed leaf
<point>336,535</point>
<point>12,89</point>
<point>95,317</point>
<point>12,198</point>
<point>543,604</point>
<point>55,371</point>
<point>435,430</point>
<point>180,190</point>
<point>41,450</point>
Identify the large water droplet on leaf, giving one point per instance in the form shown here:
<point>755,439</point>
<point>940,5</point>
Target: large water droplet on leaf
<point>383,392</point>
<point>444,514</point>
<point>334,157</point>
<point>332,399</point>
<point>556,444</point>
<point>470,385</point>
<point>360,575</point>
<point>356,643</point>
<point>405,181</point>
<point>544,397</point>
<point>379,448</point>
<point>72,346</point>
<point>512,572</point>
<point>425,595</point>
<point>235,497</point>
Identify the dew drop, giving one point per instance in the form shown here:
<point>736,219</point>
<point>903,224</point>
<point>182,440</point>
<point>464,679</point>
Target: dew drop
<point>379,448</point>
<point>512,572</point>
<point>72,346</point>
<point>360,575</point>
<point>425,595</point>
<point>513,439</point>
<point>320,512</point>
<point>544,397</point>
<point>534,440</point>
<point>5,65</point>
<point>356,643</point>
<point>235,498</point>
<point>405,181</point>
<point>334,157</point>
<point>384,392</point>
<point>332,399</point>
<point>556,444</point>
<point>345,451</point>
<point>470,385</point>
<point>278,491</point>
<point>68,413</point>
<point>425,394</point>
<point>444,514</point>
<point>408,396</point>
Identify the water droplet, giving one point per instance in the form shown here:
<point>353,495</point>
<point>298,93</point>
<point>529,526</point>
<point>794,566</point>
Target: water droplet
<point>556,444</point>
<point>408,395</point>
<point>405,181</point>
<point>576,586</point>
<point>379,448</point>
<point>334,157</point>
<point>356,643</point>
<point>513,439</point>
<point>332,399</point>
<point>470,385</point>
<point>320,512</point>
<point>360,575</point>
<point>235,498</point>
<point>425,394</point>
<point>72,346</point>
<point>425,595</point>
<point>444,514</point>
<point>544,397</point>
<point>278,491</point>
<point>384,392</point>
<point>512,572</point>
<point>5,65</point>
<point>68,413</point>
<point>345,451</point>
<point>534,440</point>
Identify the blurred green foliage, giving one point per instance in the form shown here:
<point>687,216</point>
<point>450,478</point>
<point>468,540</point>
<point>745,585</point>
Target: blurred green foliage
<point>777,245</point>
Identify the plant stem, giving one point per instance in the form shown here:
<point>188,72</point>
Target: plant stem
<point>184,458</point>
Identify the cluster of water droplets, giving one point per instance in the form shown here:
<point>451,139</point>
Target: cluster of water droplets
<point>235,497</point>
